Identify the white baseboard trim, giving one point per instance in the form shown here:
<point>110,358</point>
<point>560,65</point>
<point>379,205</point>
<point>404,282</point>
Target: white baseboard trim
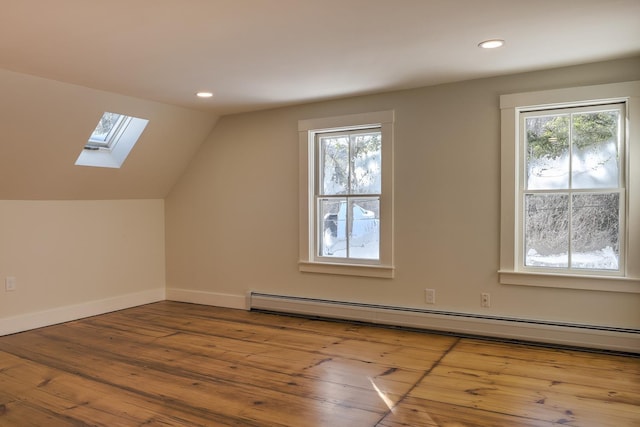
<point>208,298</point>
<point>25,322</point>
<point>586,336</point>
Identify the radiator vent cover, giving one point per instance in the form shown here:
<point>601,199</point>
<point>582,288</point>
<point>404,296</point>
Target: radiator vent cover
<point>558,333</point>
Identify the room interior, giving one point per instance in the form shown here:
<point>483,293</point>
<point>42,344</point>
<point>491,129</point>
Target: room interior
<point>206,207</point>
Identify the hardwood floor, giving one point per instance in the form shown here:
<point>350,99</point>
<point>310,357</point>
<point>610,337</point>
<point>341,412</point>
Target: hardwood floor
<point>175,364</point>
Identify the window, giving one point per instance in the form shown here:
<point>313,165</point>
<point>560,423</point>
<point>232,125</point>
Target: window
<point>346,211</point>
<point>570,163</point>
<point>107,131</point>
<point>348,194</point>
<point>111,141</point>
<point>573,189</point>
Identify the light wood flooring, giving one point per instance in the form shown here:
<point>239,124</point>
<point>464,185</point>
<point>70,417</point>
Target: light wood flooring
<point>175,364</point>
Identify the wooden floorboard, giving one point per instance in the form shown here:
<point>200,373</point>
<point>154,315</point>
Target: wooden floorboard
<point>175,364</point>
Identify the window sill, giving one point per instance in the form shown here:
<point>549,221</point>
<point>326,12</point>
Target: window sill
<point>379,271</point>
<point>591,283</point>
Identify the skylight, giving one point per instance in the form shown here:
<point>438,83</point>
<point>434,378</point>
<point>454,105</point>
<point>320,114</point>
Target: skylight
<point>106,131</point>
<point>111,141</point>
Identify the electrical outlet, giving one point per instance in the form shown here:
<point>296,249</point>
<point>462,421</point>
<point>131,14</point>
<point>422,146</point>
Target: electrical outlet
<point>10,284</point>
<point>430,296</point>
<point>485,299</point>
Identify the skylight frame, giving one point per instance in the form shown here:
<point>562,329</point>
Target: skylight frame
<point>112,136</point>
<point>112,150</point>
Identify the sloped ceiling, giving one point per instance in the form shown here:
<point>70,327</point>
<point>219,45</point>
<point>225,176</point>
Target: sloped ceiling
<point>44,124</point>
<point>64,62</point>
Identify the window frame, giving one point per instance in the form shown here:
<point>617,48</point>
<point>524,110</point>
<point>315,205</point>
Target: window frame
<point>309,259</point>
<point>348,195</point>
<point>512,271</point>
<point>620,189</point>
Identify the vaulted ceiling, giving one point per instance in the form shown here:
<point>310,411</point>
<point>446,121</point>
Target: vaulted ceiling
<point>64,62</point>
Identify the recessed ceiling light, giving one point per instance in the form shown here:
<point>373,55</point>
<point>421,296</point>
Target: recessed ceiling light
<point>491,44</point>
<point>204,94</point>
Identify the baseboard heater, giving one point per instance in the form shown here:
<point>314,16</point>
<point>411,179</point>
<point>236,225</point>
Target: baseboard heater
<point>564,334</point>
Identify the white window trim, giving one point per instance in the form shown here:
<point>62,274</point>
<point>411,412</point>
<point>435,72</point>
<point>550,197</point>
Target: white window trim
<point>308,259</point>
<point>120,145</point>
<point>510,106</point>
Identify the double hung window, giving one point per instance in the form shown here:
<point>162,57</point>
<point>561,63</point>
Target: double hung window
<point>346,192</point>
<point>570,205</point>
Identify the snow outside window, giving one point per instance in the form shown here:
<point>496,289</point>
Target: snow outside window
<point>346,195</point>
<point>570,190</point>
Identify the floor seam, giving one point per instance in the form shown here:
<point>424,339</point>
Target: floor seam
<point>424,375</point>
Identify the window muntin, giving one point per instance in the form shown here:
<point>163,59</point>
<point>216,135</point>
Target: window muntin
<point>572,190</point>
<point>348,190</point>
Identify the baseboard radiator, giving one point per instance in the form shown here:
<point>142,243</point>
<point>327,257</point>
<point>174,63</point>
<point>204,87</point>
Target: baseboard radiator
<point>535,331</point>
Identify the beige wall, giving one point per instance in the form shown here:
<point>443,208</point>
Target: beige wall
<point>83,240</point>
<point>232,219</point>
<point>70,253</point>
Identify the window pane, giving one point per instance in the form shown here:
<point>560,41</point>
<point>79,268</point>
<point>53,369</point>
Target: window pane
<point>334,164</point>
<point>349,228</point>
<point>546,230</point>
<point>364,242</point>
<point>547,148</point>
<point>595,224</point>
<point>366,168</point>
<point>595,150</point>
<point>332,227</point>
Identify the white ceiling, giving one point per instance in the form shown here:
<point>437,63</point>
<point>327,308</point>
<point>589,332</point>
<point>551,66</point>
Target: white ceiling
<point>256,54</point>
